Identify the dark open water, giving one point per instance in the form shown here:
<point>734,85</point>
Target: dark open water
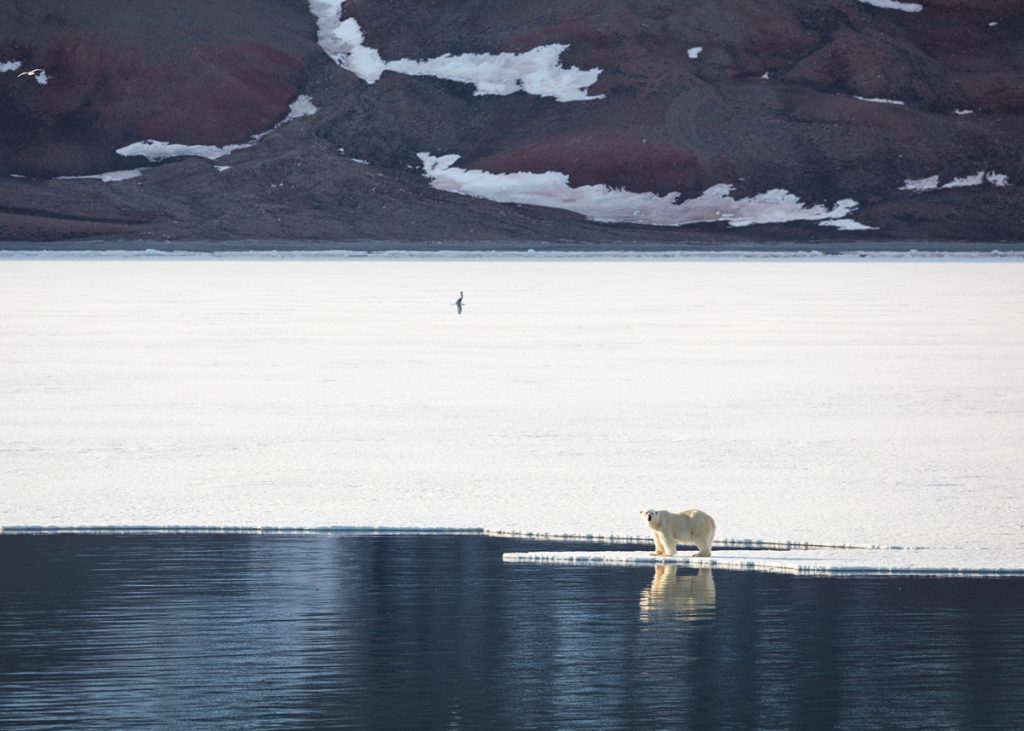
<point>434,631</point>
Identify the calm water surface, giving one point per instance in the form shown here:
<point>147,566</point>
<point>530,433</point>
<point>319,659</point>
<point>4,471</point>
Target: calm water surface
<point>434,631</point>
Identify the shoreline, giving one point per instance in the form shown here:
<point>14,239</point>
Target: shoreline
<point>275,248</point>
<point>581,550</point>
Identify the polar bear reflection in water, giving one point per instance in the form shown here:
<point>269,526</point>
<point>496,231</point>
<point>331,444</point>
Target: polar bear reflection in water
<point>685,598</point>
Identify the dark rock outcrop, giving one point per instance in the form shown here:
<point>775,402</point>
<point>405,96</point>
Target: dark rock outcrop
<point>770,102</point>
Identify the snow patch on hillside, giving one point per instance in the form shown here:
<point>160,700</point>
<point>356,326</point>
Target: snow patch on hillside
<point>343,41</point>
<point>303,106</point>
<point>111,177</point>
<point>612,205</point>
<point>880,100</point>
<point>156,150</point>
<point>847,224</point>
<point>537,71</point>
<point>921,185</point>
<point>894,5</point>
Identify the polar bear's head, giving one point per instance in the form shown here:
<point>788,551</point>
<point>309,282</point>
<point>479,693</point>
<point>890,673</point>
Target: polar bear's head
<point>653,517</point>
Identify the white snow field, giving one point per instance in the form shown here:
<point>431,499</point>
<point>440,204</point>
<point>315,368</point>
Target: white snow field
<point>869,403</point>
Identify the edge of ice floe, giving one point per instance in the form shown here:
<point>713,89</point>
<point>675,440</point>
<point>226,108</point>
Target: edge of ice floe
<point>805,566</point>
<point>728,543</point>
<point>745,555</point>
<point>520,254</point>
<point>230,529</point>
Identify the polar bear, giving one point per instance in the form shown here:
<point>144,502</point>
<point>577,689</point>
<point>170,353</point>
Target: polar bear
<point>687,526</point>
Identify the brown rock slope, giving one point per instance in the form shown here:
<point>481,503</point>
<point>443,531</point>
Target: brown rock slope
<point>770,102</point>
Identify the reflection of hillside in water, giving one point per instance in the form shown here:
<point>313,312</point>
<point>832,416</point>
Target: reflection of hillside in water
<point>685,598</point>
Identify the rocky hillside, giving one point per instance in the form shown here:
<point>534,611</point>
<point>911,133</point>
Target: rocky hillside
<point>603,121</point>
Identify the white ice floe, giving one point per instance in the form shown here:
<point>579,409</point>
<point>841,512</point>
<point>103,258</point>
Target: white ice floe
<point>963,112</point>
<point>921,185</point>
<point>993,24</point>
<point>111,177</point>
<point>221,168</point>
<point>156,150</point>
<point>763,391</point>
<point>821,561</point>
<point>694,52</point>
<point>7,66</point>
<point>537,71</point>
<point>880,100</point>
<point>895,5</point>
<point>611,205</point>
<point>847,224</point>
<point>41,78</point>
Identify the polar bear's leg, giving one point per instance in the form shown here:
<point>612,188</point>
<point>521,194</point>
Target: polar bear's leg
<point>659,547</point>
<point>704,542</point>
<point>669,542</point>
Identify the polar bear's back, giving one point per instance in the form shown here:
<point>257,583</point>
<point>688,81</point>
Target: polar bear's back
<point>694,521</point>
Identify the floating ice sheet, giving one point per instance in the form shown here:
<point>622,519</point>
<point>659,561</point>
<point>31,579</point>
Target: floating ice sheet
<point>761,391</point>
<point>828,562</point>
